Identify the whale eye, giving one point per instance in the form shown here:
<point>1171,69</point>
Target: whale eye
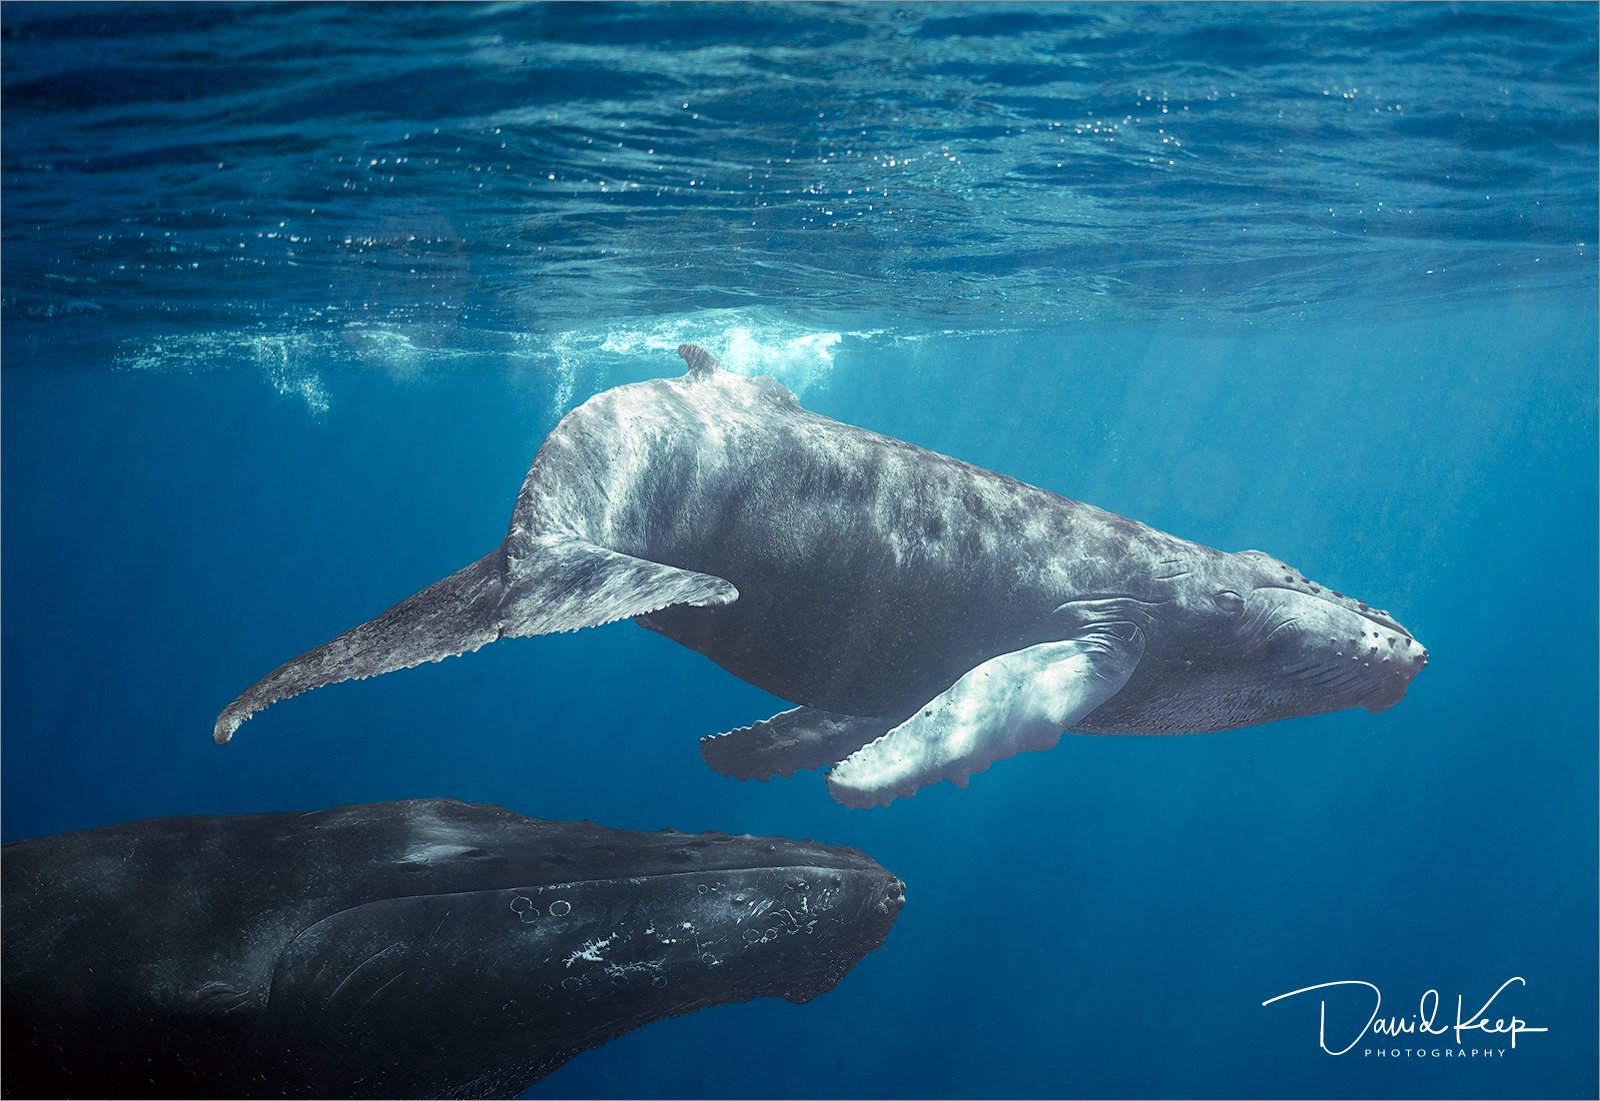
<point>1229,601</point>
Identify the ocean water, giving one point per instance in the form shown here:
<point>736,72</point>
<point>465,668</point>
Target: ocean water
<point>291,294</point>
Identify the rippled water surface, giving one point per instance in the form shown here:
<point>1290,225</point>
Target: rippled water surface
<point>531,168</point>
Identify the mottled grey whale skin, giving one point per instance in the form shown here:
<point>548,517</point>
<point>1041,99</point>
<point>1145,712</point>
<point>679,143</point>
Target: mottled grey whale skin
<point>930,617</point>
<point>417,949</point>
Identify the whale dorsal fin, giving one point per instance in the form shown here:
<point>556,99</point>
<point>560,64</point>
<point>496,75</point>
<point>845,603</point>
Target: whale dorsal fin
<point>702,364</point>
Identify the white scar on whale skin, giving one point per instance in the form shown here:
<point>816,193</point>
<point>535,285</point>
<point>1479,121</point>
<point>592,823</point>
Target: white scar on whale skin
<point>929,617</point>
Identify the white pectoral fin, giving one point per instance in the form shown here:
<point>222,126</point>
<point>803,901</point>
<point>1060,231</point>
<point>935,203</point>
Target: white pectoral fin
<point>1009,704</point>
<point>805,737</point>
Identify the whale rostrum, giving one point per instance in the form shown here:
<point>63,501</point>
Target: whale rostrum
<point>929,617</point>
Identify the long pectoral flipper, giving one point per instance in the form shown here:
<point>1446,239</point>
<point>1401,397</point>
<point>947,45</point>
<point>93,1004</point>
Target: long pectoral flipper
<point>560,583</point>
<point>806,737</point>
<point>1009,704</point>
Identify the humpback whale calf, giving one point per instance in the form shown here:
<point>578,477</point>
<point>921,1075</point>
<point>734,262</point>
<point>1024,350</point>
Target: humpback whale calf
<point>928,616</point>
<point>418,949</point>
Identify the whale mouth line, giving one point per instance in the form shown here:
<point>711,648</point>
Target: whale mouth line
<point>535,883</point>
<point>1290,622</point>
<point>1321,675</point>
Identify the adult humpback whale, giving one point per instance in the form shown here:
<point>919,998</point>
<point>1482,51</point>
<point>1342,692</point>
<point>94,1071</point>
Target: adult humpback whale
<point>930,617</point>
<point>420,949</point>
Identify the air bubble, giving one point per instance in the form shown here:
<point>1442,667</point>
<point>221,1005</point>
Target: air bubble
<point>560,908</point>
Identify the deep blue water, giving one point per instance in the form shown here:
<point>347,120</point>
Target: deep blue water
<point>291,295</point>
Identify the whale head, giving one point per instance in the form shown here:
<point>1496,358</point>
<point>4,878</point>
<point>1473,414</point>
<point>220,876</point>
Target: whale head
<point>419,949</point>
<point>1247,639</point>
